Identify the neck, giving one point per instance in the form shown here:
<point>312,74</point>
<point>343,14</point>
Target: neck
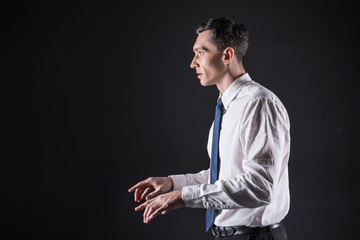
<point>231,75</point>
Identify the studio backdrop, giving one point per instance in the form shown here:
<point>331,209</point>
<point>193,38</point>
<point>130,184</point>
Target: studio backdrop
<point>96,96</point>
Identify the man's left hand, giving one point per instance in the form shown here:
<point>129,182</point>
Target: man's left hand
<point>161,204</point>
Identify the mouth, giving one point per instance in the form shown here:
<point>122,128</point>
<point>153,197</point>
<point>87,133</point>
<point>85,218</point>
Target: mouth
<point>199,74</point>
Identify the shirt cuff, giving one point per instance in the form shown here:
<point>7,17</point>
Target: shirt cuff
<point>190,196</point>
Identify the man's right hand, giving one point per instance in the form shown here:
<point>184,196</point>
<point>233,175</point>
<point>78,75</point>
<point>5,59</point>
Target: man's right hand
<point>157,185</point>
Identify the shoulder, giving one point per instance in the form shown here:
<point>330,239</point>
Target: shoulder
<point>257,99</point>
<point>255,91</point>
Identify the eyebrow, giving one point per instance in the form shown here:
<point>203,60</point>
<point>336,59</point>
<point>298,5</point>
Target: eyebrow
<point>201,48</point>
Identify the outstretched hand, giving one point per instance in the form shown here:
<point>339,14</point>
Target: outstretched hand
<point>158,198</point>
<point>157,185</point>
<point>161,205</point>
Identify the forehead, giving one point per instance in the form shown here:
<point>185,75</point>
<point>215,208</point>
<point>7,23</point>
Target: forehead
<point>204,41</point>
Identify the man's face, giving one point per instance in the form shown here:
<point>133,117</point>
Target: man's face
<point>208,61</point>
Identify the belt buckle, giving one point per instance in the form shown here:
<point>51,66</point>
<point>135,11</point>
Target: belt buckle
<point>217,232</point>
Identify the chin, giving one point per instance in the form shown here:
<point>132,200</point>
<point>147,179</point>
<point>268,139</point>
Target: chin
<point>206,83</point>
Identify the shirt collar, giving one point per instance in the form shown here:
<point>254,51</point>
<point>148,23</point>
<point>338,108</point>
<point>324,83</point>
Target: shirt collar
<point>231,92</point>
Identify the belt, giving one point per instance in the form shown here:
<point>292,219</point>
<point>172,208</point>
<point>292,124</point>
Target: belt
<point>237,230</point>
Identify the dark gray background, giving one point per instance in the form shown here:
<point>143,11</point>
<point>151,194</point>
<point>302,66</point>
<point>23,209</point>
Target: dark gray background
<point>97,96</point>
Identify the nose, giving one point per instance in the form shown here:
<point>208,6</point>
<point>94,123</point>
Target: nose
<point>193,63</point>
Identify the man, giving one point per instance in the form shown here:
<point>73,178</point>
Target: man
<point>246,189</point>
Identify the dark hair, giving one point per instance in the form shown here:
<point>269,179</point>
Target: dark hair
<point>227,33</point>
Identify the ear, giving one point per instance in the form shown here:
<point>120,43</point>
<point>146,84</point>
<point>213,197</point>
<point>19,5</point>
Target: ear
<point>229,55</point>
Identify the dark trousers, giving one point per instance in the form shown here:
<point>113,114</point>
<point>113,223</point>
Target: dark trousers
<point>274,234</point>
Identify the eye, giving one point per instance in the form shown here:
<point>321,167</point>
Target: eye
<point>201,53</point>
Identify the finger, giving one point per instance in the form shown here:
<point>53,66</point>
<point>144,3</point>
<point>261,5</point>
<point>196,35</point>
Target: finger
<point>138,185</point>
<point>140,207</point>
<point>137,193</point>
<point>133,187</point>
<point>147,190</point>
<point>150,208</point>
<point>146,211</point>
<point>154,214</point>
<point>153,194</point>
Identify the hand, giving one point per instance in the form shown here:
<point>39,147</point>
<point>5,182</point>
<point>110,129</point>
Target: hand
<point>161,204</point>
<point>158,184</point>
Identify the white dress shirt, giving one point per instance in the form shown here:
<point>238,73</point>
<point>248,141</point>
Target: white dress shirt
<point>254,148</point>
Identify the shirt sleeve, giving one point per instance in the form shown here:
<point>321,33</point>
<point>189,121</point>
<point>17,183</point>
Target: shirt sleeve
<point>264,137</point>
<point>182,180</point>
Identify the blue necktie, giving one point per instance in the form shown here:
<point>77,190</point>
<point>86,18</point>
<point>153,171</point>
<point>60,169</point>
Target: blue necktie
<point>214,162</point>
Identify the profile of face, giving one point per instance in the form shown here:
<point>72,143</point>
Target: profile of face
<point>208,61</point>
